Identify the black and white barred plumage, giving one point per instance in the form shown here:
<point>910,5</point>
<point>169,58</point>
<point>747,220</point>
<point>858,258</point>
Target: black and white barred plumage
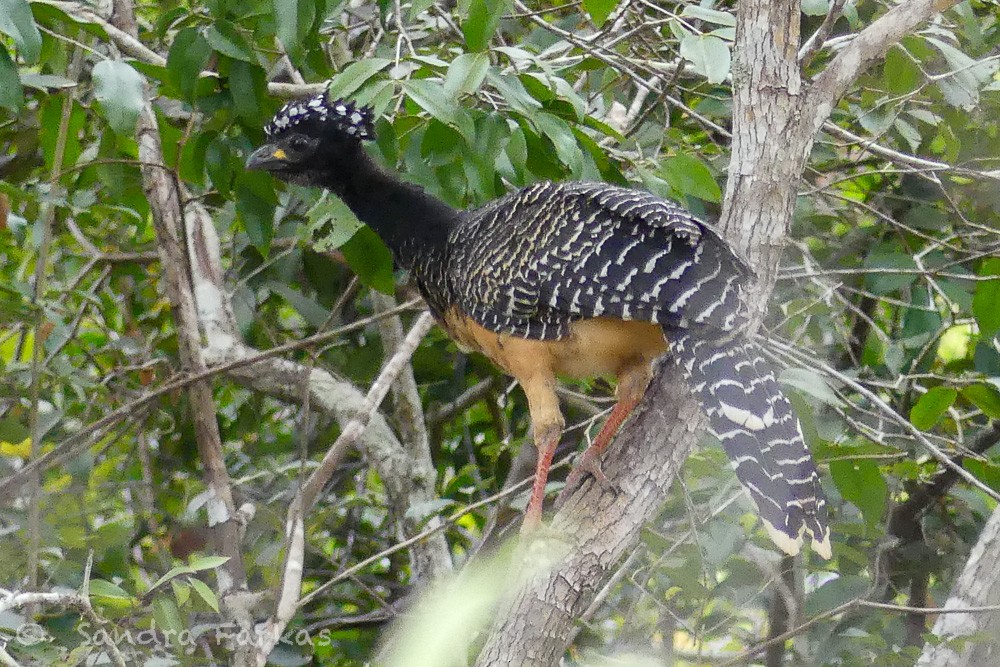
<point>532,263</point>
<point>553,253</point>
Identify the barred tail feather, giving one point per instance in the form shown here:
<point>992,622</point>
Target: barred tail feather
<point>754,421</point>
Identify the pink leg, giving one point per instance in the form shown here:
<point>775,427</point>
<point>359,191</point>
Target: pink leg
<point>546,444</point>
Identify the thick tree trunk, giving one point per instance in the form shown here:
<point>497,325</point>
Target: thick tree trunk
<point>978,586</point>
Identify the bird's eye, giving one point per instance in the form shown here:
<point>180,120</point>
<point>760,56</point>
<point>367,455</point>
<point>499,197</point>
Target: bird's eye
<point>298,143</point>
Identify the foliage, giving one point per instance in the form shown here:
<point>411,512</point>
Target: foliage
<point>889,281</point>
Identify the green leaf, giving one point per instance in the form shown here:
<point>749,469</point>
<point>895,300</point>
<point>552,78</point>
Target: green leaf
<point>688,175</point>
<point>370,260</point>
<point>466,74</point>
<point>985,471</point>
<point>599,10</point>
<point>182,592</point>
<point>986,300</point>
<point>293,19</point>
<point>928,409</point>
<point>11,95</point>
<point>188,55</point>
<point>106,589</point>
<point>356,75</point>
<point>561,136</point>
<point>483,21</point>
<point>225,39</point>
<point>883,280</point>
<point>709,56</point>
<point>17,23</point>
<point>205,593</point>
<point>985,397</point>
<point>860,482</point>
<point>815,7</point>
<point>431,97</point>
<point>709,15</point>
<point>172,573</point>
<point>248,87</point>
<point>834,593</point>
<point>255,203</point>
<point>811,383</point>
<point>331,223</point>
<point>166,615</point>
<point>121,92</point>
<point>899,73</point>
<point>199,563</point>
<point>961,87</point>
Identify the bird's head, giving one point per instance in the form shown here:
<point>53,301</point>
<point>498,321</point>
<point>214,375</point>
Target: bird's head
<point>314,141</point>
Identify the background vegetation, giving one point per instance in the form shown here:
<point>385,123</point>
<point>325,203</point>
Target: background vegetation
<point>885,318</point>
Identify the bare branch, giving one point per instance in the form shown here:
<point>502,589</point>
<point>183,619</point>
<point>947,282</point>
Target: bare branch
<point>815,42</point>
<point>867,46</point>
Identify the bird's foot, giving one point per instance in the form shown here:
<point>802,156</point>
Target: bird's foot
<point>589,463</point>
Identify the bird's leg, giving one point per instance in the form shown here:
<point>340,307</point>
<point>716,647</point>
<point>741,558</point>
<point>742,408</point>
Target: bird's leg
<point>631,387</point>
<point>547,424</point>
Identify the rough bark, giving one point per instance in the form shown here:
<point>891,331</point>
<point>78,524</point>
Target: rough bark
<point>977,586</point>
<point>775,119</point>
<point>165,203</point>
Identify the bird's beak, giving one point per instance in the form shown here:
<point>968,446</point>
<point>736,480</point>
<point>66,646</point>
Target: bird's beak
<point>267,158</point>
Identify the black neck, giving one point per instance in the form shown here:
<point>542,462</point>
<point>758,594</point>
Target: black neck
<point>411,222</point>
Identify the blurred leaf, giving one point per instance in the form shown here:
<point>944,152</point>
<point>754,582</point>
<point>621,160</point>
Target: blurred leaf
<point>293,19</point>
<point>811,383</point>
<point>483,21</point>
<point>105,589</point>
<point>182,592</point>
<point>354,76</point>
<point>561,136</point>
<point>431,97</point>
<point>860,482</point>
<point>882,279</point>
<point>121,92</point>
<point>710,15</point>
<point>986,301</point>
<point>967,76</point>
<point>205,593</point>
<point>188,55</point>
<point>709,56</point>
<point>331,223</point>
<point>985,397</point>
<point>199,563</point>
<point>248,86</point>
<point>227,40</point>
<point>928,409</point>
<point>255,202</point>
<point>167,615</point>
<point>599,10</point>
<point>370,260</point>
<point>17,23</point>
<point>985,471</point>
<point>466,74</point>
<point>815,7</point>
<point>834,593</point>
<point>899,73</point>
<point>11,95</point>
<point>690,176</point>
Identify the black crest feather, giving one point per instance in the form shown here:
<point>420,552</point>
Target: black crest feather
<point>342,115</point>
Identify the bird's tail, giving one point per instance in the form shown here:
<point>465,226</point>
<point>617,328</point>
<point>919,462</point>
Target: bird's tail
<point>754,421</point>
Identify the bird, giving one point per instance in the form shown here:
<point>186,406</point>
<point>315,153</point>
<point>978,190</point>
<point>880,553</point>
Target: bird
<point>575,279</point>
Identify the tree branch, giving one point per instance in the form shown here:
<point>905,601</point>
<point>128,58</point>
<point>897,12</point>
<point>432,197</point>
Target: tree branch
<point>867,46</point>
<point>977,586</point>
